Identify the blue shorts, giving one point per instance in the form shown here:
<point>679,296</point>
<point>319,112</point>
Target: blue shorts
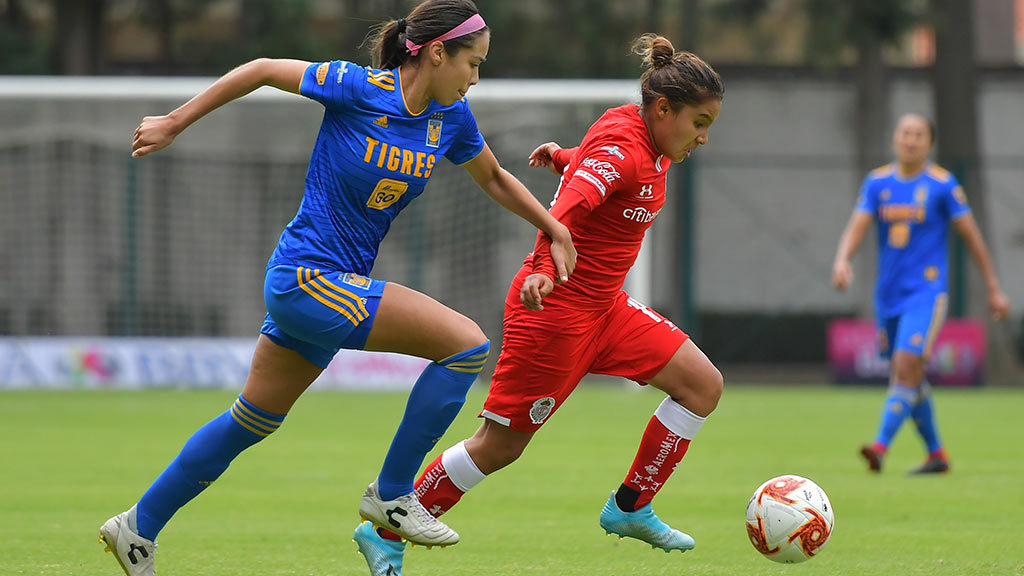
<point>317,312</point>
<point>914,330</point>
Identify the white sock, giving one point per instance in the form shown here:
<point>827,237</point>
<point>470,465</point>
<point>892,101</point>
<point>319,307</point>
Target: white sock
<point>678,419</point>
<point>461,469</point>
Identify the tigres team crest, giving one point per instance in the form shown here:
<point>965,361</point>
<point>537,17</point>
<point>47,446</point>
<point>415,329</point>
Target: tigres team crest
<point>921,194</point>
<point>356,280</point>
<point>433,133</point>
<point>542,409</point>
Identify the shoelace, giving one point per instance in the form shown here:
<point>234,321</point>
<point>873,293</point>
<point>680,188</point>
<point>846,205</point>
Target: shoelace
<point>417,509</point>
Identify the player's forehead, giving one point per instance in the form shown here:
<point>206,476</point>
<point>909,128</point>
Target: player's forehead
<point>709,109</point>
<point>911,123</point>
<point>477,50</point>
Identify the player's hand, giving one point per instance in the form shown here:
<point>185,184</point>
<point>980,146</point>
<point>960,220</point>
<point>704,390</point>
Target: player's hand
<point>842,275</point>
<point>154,133</point>
<point>998,304</point>
<point>535,288</point>
<point>563,253</point>
<point>542,156</point>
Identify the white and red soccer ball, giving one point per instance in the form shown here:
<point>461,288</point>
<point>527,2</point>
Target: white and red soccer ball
<point>789,519</point>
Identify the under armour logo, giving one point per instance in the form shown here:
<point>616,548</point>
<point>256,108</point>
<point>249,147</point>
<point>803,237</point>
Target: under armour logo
<point>646,192</point>
<point>392,512</point>
<point>140,550</point>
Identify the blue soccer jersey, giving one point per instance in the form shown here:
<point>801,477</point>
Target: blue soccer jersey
<point>373,156</point>
<point>913,218</point>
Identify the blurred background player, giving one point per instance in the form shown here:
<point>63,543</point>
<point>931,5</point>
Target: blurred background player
<point>612,189</point>
<point>383,130</point>
<point>913,201</point>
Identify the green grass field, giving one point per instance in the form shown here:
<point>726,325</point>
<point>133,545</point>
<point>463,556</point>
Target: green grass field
<point>288,506</point>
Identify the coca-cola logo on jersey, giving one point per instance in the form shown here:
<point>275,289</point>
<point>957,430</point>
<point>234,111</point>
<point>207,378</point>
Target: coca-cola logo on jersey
<point>605,169</point>
<point>640,214</point>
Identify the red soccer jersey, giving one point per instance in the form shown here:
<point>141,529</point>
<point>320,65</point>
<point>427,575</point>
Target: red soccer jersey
<point>622,181</point>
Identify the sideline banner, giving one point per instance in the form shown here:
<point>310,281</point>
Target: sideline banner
<point>139,363</point>
<point>958,356</point>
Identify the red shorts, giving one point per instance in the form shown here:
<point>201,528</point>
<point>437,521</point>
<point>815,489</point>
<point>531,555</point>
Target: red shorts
<point>545,354</point>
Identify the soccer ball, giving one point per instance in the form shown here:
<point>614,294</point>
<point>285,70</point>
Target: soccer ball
<point>789,519</point>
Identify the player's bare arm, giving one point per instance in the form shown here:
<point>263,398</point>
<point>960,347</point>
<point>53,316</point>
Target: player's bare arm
<point>849,242</point>
<point>157,132</point>
<point>998,303</point>
<point>508,191</point>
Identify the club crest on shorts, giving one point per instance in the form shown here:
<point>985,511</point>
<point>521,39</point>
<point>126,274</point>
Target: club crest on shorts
<point>542,409</point>
<point>356,280</point>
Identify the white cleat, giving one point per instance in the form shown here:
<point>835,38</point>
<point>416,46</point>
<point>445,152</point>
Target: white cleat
<point>406,517</point>
<point>133,552</point>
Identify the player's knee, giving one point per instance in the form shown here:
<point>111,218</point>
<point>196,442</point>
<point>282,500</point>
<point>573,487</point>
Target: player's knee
<point>908,369</point>
<point>714,385</point>
<point>509,452</point>
<point>500,454</point>
<point>700,393</point>
<point>495,446</point>
<point>706,392</point>
<point>470,360</point>
<point>466,335</point>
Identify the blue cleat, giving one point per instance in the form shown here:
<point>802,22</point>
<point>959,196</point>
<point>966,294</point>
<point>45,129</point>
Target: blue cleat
<point>384,557</point>
<point>643,525</point>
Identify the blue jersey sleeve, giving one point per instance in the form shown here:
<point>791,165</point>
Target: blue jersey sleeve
<point>331,83</point>
<point>954,200</point>
<point>468,142</point>
<point>867,200</point>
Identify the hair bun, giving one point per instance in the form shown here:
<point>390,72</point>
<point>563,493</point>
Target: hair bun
<point>662,52</point>
<point>400,25</point>
<point>657,51</point>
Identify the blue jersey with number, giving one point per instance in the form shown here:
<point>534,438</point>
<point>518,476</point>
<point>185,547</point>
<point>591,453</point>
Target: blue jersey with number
<point>913,216</point>
<point>372,157</point>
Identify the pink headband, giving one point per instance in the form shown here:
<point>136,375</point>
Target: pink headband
<point>472,24</point>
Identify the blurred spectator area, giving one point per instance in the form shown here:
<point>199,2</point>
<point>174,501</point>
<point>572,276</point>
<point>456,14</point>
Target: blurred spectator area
<point>533,38</point>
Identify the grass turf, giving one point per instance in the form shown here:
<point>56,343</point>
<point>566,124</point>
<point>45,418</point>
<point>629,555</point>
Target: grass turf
<point>69,460</point>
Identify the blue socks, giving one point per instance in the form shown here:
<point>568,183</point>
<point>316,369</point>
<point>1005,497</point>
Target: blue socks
<point>435,400</point>
<point>924,416</point>
<point>898,405</point>
<point>202,460</point>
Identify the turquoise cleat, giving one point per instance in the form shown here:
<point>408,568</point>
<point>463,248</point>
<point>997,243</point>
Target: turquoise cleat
<point>384,557</point>
<point>643,525</point>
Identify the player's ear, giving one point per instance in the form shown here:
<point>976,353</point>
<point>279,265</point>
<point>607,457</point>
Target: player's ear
<point>437,53</point>
<point>662,107</point>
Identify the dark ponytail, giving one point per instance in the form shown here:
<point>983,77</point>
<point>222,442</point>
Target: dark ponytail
<point>427,21</point>
<point>681,77</point>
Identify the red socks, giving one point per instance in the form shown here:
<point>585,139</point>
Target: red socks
<point>659,453</point>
